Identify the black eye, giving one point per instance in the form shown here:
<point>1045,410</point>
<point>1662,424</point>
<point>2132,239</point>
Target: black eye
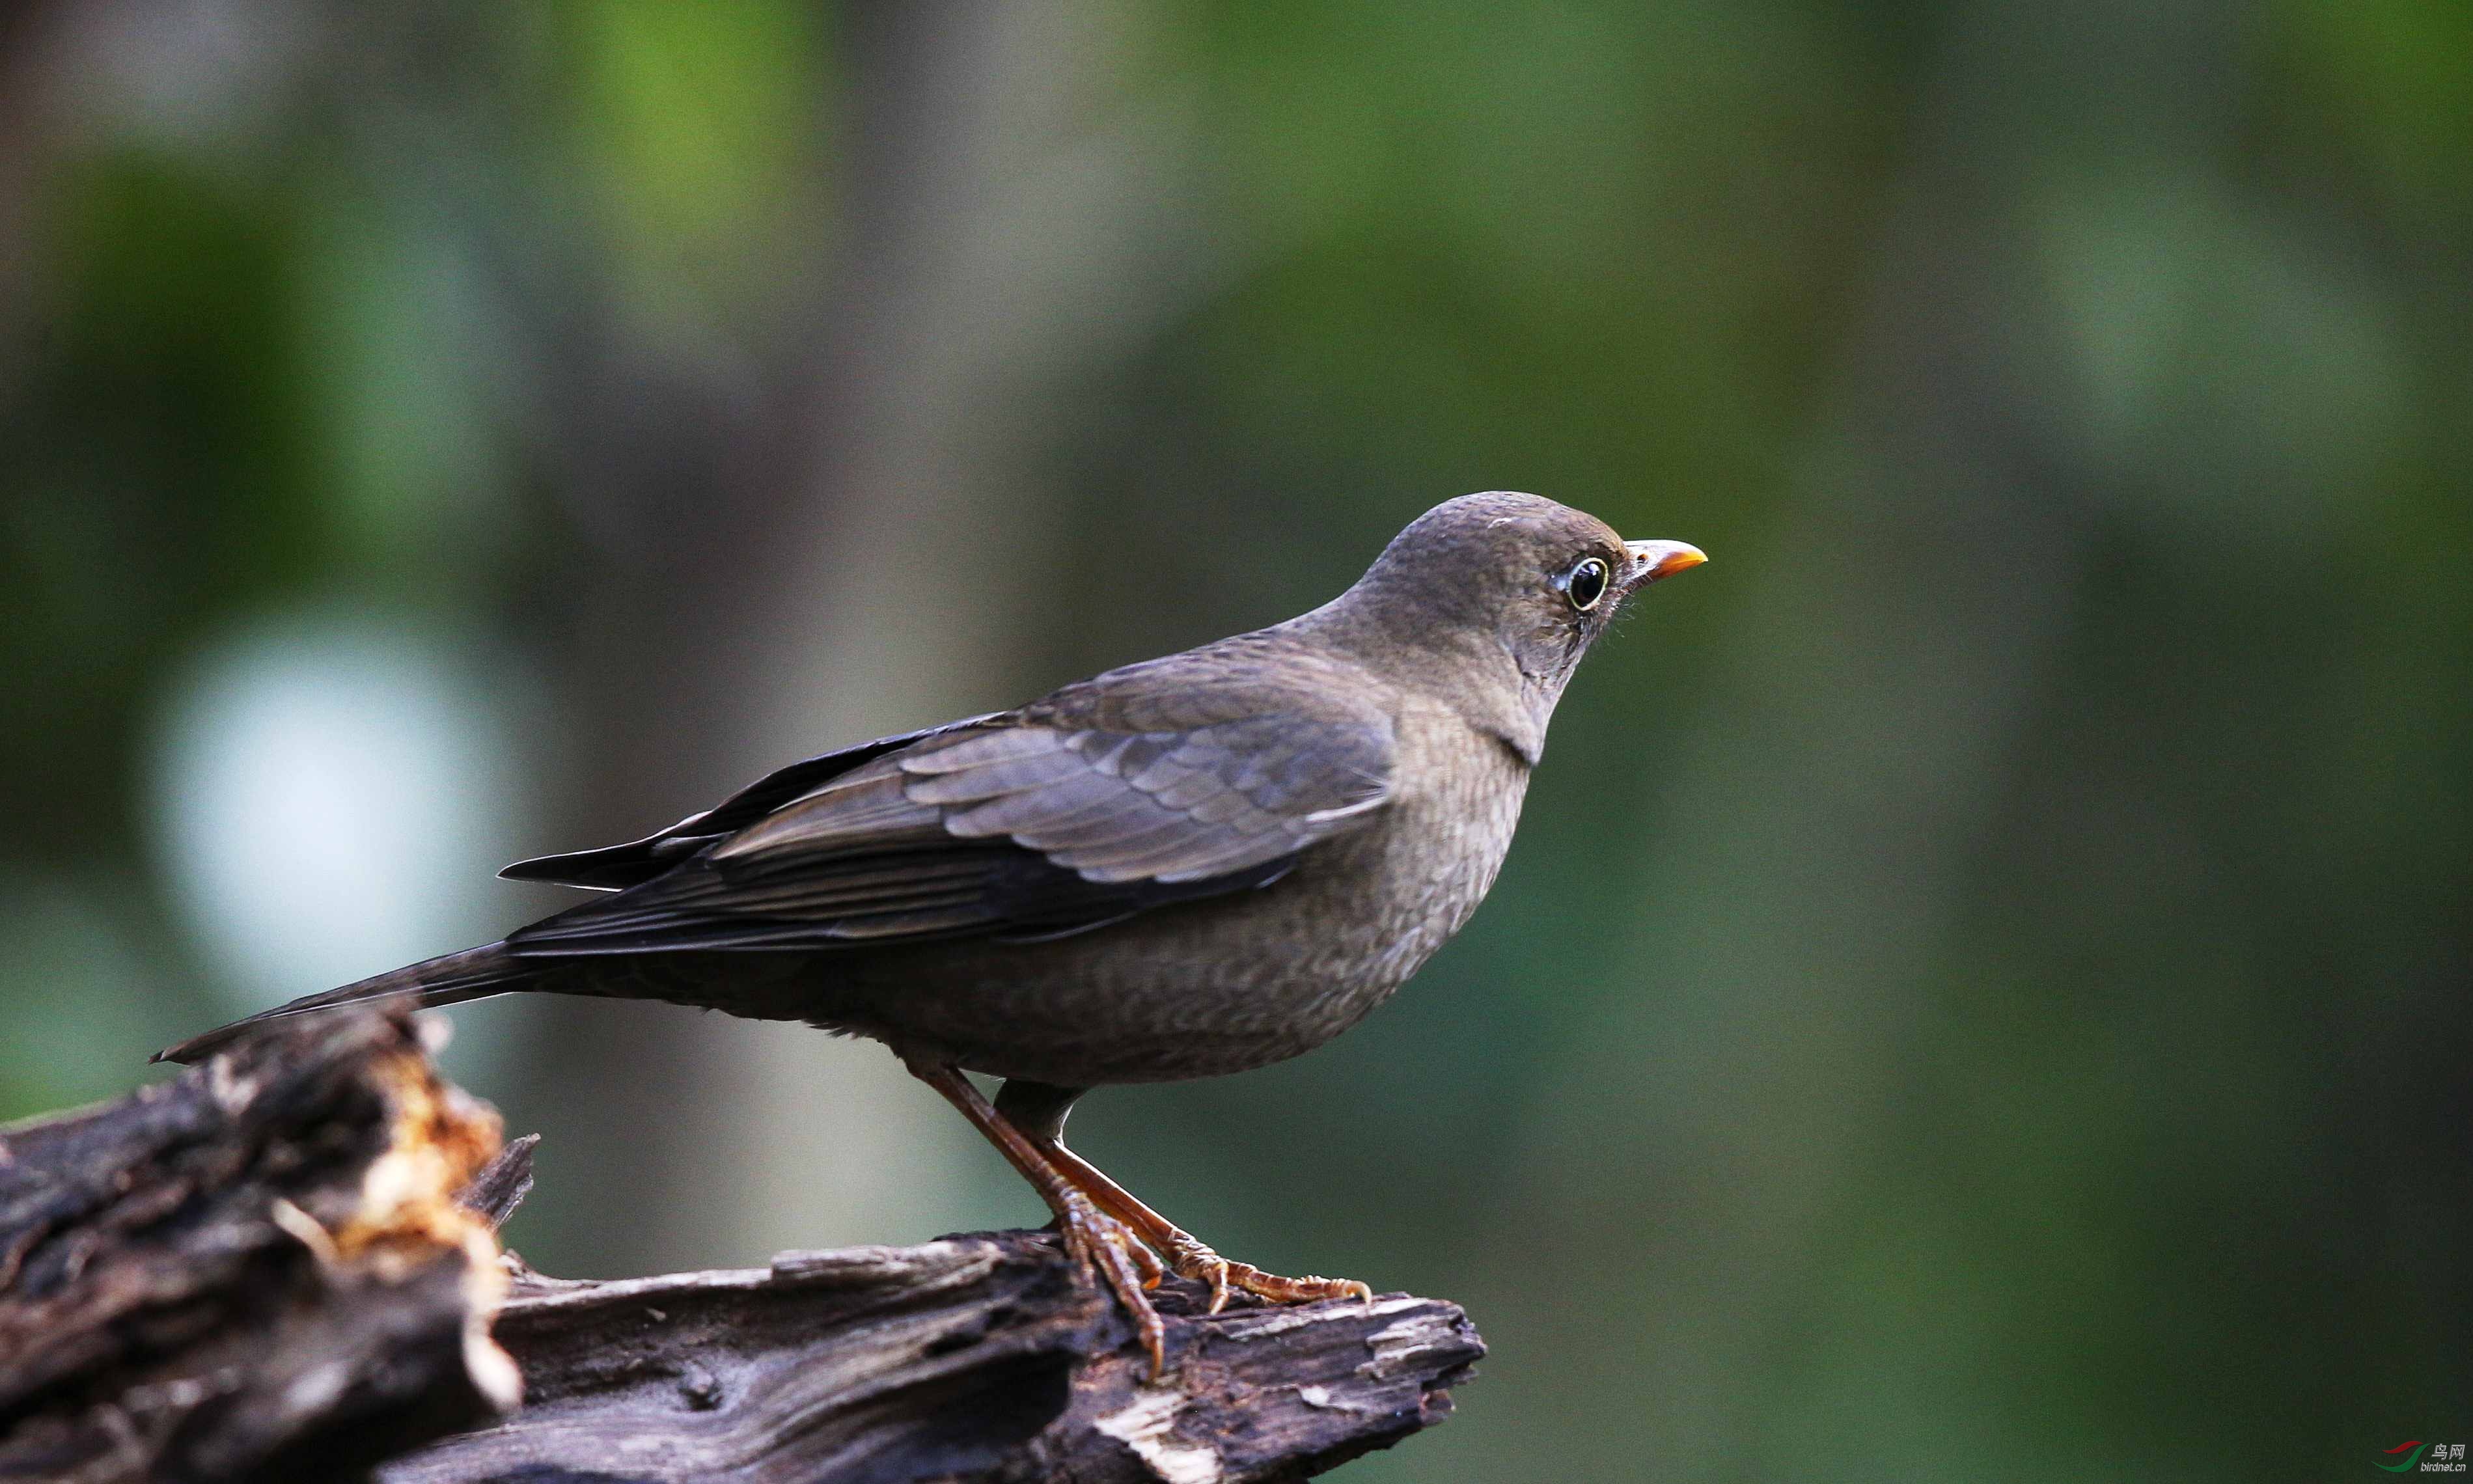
<point>1586,583</point>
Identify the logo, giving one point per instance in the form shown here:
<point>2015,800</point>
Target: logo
<point>2443,1458</point>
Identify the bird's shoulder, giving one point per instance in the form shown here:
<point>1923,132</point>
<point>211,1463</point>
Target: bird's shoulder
<point>1196,765</point>
<point>1264,674</point>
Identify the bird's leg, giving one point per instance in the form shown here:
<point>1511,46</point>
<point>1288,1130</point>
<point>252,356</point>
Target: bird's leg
<point>1098,1242</point>
<point>1038,1112</point>
<point>1185,1254</point>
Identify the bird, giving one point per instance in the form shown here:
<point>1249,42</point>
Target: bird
<point>1187,866</point>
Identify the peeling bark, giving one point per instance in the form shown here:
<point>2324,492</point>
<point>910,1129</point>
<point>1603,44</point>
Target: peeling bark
<point>282,1267</point>
<point>974,1358</point>
<point>977,1357</point>
<point>256,1271</point>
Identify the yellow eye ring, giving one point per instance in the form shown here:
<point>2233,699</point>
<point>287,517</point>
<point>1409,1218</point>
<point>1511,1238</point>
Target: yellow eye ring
<point>1585,583</point>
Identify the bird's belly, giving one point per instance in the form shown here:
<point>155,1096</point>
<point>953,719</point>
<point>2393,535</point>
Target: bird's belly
<point>1205,988</point>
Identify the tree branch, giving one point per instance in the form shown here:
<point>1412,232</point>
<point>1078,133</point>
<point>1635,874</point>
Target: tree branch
<point>256,1271</point>
<point>253,1273</point>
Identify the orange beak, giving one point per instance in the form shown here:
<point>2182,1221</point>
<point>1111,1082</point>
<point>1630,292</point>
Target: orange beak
<point>1652,560</point>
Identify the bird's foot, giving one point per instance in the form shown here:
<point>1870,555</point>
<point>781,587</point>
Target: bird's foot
<point>1100,1243</point>
<point>1106,1250</point>
<point>1189,1258</point>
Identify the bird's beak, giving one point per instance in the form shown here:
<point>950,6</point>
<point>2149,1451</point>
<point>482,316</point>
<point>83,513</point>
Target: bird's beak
<point>1651,561</point>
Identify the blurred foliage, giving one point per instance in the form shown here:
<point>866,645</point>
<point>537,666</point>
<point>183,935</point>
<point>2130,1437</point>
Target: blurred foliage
<point>1983,981</point>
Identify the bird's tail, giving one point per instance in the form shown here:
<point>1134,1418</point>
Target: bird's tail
<point>449,979</point>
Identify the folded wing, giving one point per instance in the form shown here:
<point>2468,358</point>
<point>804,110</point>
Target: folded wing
<point>1129,792</point>
<point>617,867</point>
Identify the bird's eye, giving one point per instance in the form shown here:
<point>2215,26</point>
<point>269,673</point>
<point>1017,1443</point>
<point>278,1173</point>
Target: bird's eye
<point>1586,583</point>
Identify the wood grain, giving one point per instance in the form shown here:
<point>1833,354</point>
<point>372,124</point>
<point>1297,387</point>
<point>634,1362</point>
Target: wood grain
<point>282,1267</point>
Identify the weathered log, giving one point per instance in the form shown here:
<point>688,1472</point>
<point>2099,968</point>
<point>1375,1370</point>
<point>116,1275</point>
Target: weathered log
<point>972,1358</point>
<point>254,1272</point>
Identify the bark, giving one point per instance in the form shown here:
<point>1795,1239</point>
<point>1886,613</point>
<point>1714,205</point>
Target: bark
<point>265,1271</point>
<point>256,1271</point>
<point>974,1358</point>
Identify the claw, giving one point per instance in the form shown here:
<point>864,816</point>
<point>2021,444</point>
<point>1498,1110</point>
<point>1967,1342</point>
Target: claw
<point>1184,1256</point>
<point>1105,1250</point>
<point>1191,1259</point>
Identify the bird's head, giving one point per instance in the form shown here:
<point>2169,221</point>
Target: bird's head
<point>1511,574</point>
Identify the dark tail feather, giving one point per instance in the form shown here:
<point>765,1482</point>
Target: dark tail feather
<point>449,979</point>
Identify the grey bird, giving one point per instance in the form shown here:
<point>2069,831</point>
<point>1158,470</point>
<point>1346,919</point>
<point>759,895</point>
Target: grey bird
<point>1187,866</point>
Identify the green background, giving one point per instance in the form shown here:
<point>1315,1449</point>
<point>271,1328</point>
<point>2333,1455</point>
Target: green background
<point>1981,989</point>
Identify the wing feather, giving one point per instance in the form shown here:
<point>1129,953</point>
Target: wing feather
<point>1153,784</point>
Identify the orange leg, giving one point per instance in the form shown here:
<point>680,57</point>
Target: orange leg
<point>1186,1255</point>
<point>1099,1243</point>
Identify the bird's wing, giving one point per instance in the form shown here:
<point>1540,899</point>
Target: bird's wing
<point>1141,789</point>
<point>615,867</point>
